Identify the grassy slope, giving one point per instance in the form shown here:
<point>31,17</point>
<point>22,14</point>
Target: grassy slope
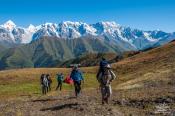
<point>143,80</point>
<point>91,59</point>
<point>48,52</point>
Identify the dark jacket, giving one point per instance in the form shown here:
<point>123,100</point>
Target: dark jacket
<point>76,75</point>
<point>41,78</point>
<point>60,77</point>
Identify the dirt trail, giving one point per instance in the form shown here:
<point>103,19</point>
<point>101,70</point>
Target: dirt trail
<point>87,104</point>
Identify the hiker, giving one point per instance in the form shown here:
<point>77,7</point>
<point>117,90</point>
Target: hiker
<point>41,79</point>
<point>44,84</point>
<point>49,82</point>
<point>103,63</point>
<point>77,77</point>
<point>60,78</point>
<point>105,78</point>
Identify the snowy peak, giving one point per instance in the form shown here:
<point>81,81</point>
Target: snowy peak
<point>110,31</point>
<point>10,25</point>
<point>70,23</point>
<point>31,28</point>
<point>107,25</point>
<point>12,33</point>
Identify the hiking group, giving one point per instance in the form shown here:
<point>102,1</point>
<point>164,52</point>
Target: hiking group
<point>104,76</point>
<point>45,83</point>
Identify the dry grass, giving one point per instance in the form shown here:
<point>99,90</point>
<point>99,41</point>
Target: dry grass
<point>142,80</point>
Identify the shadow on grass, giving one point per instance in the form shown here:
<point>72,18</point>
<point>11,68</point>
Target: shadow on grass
<point>60,107</point>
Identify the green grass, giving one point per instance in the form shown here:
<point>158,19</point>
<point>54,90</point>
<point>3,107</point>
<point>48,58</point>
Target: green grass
<point>33,87</point>
<point>13,88</point>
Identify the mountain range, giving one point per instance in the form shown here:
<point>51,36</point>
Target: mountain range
<point>110,31</point>
<point>50,44</point>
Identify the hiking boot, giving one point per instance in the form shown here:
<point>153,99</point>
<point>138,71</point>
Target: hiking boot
<point>103,102</point>
<point>107,101</point>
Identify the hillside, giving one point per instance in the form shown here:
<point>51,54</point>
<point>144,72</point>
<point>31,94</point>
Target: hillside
<point>48,52</point>
<point>91,59</point>
<point>5,45</point>
<point>2,47</point>
<point>145,83</point>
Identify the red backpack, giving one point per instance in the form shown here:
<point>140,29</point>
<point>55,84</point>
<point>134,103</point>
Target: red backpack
<point>68,80</point>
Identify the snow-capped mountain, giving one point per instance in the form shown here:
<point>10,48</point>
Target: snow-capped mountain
<point>110,31</point>
<point>11,33</point>
<point>9,25</point>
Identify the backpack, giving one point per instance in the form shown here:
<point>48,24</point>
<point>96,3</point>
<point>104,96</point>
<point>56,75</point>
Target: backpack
<point>107,77</point>
<point>103,63</point>
<point>45,81</point>
<point>59,77</point>
<point>68,80</point>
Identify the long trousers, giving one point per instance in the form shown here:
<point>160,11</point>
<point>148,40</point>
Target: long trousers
<point>59,85</point>
<point>77,85</point>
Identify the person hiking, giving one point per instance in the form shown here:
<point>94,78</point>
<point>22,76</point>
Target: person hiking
<point>44,84</point>
<point>60,78</point>
<point>103,63</point>
<point>49,82</point>
<point>105,79</point>
<point>41,79</point>
<point>76,76</point>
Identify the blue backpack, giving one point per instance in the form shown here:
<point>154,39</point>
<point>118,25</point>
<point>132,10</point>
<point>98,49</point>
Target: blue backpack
<point>103,63</point>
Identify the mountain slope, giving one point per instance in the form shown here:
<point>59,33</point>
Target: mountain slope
<point>48,52</point>
<point>2,47</point>
<point>91,59</point>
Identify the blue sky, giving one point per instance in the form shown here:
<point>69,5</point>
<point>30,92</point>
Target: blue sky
<point>141,14</point>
